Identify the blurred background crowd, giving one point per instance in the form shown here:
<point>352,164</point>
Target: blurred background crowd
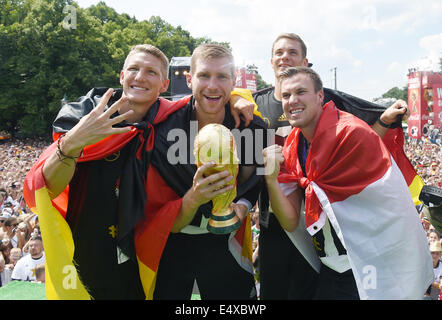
<point>426,158</point>
<point>20,237</point>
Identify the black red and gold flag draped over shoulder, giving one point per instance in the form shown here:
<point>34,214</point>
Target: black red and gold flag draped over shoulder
<point>351,181</point>
<point>393,139</point>
<point>132,208</point>
<point>177,178</point>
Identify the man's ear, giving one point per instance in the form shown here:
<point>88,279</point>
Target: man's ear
<point>121,77</point>
<point>189,80</point>
<point>165,85</point>
<point>305,62</point>
<point>321,96</point>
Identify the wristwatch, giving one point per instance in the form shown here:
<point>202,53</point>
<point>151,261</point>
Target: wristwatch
<point>388,126</point>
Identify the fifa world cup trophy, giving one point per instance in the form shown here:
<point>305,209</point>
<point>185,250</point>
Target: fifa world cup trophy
<point>216,143</point>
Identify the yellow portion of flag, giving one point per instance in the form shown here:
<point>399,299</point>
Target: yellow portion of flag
<point>148,279</point>
<point>240,245</point>
<point>62,281</point>
<point>247,250</point>
<point>415,189</point>
<point>246,94</point>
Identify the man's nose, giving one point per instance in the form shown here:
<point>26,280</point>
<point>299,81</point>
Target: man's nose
<point>284,55</point>
<point>141,75</point>
<point>212,83</point>
<point>293,99</point>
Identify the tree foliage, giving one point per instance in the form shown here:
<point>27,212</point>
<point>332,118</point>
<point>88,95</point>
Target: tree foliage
<point>261,84</point>
<point>397,93</point>
<point>42,60</point>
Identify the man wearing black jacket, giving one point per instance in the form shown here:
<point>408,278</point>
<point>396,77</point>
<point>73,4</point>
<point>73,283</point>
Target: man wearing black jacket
<point>191,252</point>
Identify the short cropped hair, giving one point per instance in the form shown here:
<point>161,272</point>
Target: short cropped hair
<point>211,51</point>
<point>39,270</point>
<point>290,72</point>
<point>292,36</point>
<point>39,238</point>
<point>152,50</point>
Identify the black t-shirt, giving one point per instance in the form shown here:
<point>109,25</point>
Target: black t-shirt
<point>273,114</point>
<point>270,108</point>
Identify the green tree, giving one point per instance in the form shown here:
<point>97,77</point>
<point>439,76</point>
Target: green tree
<point>397,93</point>
<point>48,60</point>
<point>261,84</point>
<point>107,14</point>
<point>42,60</point>
<point>12,11</point>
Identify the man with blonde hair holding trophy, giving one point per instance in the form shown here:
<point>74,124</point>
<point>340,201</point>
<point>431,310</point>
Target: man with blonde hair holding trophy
<point>215,254</point>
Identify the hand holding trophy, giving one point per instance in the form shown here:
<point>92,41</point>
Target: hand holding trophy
<point>216,143</point>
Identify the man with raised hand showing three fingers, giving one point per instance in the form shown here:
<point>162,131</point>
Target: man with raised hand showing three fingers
<point>95,173</point>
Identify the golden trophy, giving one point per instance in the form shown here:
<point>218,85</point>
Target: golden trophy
<point>216,143</point>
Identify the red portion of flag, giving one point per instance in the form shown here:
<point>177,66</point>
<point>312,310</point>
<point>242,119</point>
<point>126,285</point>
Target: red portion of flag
<point>345,157</point>
<point>394,141</point>
<point>151,234</point>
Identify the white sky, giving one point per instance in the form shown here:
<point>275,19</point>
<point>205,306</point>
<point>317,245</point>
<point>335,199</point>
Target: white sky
<point>372,43</point>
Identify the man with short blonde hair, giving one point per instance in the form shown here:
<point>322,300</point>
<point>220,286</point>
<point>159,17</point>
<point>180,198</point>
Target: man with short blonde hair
<point>192,253</point>
<point>154,51</point>
<point>294,37</point>
<point>211,51</point>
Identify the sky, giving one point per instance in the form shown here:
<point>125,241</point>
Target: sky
<point>372,44</point>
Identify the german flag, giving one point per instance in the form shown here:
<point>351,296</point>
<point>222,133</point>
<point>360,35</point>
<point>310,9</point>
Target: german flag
<point>394,141</point>
<point>152,233</point>
<point>62,280</point>
<point>352,181</point>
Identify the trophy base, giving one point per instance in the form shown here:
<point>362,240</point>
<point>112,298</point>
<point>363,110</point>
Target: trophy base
<point>223,224</point>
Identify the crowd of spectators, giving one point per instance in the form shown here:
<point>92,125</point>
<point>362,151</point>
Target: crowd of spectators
<point>19,226</point>
<point>426,158</point>
<point>21,249</point>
